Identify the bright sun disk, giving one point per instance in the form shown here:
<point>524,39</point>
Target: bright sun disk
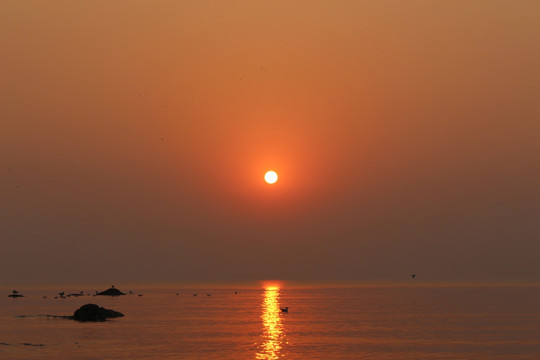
<point>270,177</point>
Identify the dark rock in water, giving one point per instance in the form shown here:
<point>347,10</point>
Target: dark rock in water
<point>92,312</point>
<point>111,292</point>
<point>15,294</point>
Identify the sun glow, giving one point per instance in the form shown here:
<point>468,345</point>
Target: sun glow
<point>270,177</point>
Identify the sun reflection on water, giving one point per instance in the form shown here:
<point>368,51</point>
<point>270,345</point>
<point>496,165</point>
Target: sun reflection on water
<point>273,329</point>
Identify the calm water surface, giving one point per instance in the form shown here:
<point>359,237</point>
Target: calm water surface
<point>451,322</point>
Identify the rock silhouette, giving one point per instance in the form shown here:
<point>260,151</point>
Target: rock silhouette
<point>93,312</point>
<point>111,292</point>
<point>15,294</point>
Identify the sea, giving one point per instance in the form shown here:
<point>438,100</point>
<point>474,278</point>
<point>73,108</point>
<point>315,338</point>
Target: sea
<point>375,321</point>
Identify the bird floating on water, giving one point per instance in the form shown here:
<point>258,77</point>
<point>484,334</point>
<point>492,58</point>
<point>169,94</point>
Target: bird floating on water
<point>413,276</point>
<point>285,309</point>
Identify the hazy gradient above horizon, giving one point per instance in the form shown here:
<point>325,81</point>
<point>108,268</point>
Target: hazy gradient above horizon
<point>134,136</point>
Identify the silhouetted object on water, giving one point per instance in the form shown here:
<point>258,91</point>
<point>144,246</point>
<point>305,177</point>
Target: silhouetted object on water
<point>92,312</point>
<point>195,294</point>
<point>112,291</point>
<point>208,294</point>
<point>285,309</point>
<point>75,294</point>
<point>15,294</point>
<point>413,276</point>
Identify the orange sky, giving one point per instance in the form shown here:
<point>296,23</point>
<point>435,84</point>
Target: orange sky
<point>134,136</point>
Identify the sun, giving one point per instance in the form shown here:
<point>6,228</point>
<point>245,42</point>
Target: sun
<point>270,177</point>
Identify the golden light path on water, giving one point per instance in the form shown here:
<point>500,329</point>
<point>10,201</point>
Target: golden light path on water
<point>273,329</point>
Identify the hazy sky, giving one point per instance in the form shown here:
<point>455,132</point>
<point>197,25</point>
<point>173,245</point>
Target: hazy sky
<point>134,136</point>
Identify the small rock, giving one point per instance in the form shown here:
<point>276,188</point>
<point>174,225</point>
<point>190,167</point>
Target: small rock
<point>111,292</point>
